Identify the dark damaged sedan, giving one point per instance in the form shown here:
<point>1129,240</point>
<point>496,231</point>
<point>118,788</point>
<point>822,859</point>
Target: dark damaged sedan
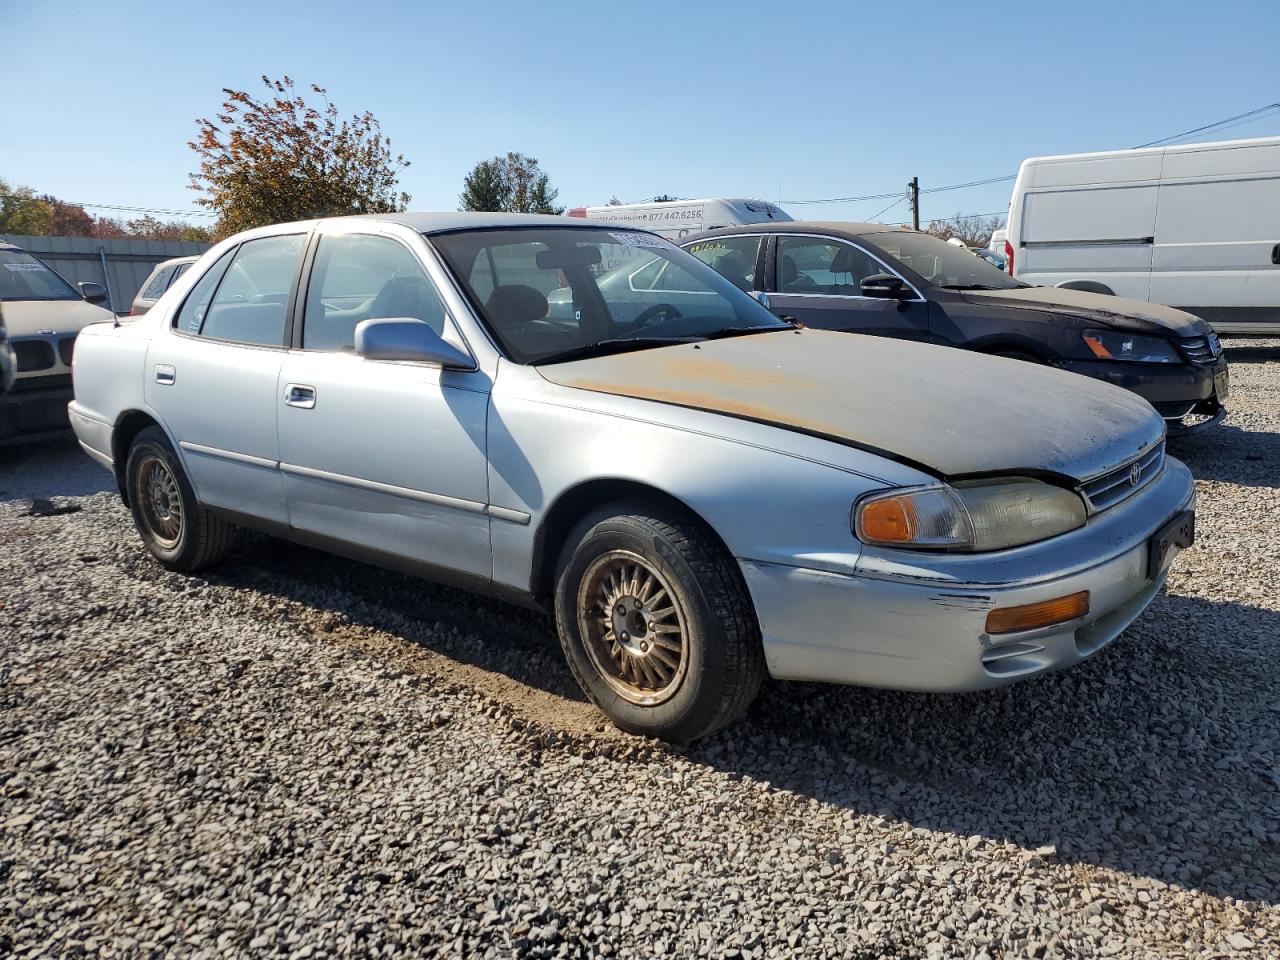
<point>894,282</point>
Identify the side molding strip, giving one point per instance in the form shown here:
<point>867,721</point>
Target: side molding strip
<point>228,454</point>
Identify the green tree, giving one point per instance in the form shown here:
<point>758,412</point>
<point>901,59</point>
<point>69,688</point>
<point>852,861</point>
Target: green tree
<point>511,184</point>
<point>21,211</point>
<point>281,158</point>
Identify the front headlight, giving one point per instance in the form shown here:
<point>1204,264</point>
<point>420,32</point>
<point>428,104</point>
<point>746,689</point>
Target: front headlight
<point>1114,345</point>
<point>971,517</point>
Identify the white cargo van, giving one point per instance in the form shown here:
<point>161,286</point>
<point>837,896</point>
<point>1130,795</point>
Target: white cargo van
<point>680,218</point>
<point>1195,227</point>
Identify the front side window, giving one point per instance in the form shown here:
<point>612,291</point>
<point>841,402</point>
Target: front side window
<point>23,277</point>
<point>249,304</point>
<point>734,258</point>
<point>830,267</point>
<point>938,262</point>
<point>551,292</point>
<point>358,277</point>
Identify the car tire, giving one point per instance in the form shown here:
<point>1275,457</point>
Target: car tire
<point>656,622</point>
<point>174,527</point>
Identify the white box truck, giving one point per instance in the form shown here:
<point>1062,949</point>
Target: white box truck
<point>675,219</point>
<point>1195,227</point>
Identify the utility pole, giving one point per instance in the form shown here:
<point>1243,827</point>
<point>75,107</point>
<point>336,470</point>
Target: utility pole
<point>914,189</point>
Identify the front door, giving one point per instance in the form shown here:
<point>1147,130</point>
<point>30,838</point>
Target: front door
<point>387,455</point>
<point>212,375</point>
<point>817,280</point>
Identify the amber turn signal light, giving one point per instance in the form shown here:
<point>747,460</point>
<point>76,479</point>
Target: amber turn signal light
<point>1033,615</point>
<point>891,520</point>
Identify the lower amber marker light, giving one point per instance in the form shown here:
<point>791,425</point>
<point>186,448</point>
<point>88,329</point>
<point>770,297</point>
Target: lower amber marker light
<point>1034,615</point>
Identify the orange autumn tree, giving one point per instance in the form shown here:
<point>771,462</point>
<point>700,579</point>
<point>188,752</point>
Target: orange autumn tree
<point>280,158</point>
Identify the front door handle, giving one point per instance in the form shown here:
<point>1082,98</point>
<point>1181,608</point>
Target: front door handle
<point>166,374</point>
<point>300,395</point>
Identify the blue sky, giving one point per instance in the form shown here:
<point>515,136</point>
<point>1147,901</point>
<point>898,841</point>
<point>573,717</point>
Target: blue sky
<point>780,100</point>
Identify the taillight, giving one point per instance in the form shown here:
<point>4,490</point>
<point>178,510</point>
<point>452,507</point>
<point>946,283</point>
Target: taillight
<point>1008,257</point>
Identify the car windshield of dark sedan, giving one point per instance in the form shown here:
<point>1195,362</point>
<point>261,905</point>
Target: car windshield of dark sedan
<point>23,277</point>
<point>940,263</point>
<point>557,293</point>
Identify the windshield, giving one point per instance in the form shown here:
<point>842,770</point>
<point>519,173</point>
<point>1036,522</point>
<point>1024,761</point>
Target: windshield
<point>23,277</point>
<point>938,262</point>
<point>548,292</point>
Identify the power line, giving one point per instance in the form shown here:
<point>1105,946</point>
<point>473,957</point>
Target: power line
<point>114,206</point>
<point>1210,126</point>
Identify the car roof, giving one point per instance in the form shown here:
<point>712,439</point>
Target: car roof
<point>463,220</point>
<point>839,228</point>
<point>170,262</point>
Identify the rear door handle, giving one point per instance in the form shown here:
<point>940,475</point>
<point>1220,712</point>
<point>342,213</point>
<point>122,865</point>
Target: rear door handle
<point>300,395</point>
<point>1275,254</point>
<point>166,374</point>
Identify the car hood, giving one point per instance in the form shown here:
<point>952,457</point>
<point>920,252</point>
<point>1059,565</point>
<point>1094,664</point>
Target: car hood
<point>951,412</point>
<point>27,318</point>
<point>1120,313</point>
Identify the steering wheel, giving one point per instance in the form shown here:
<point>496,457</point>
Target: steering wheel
<point>666,310</point>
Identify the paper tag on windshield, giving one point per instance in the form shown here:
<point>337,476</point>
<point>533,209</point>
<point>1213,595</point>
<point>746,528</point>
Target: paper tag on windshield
<point>25,267</point>
<point>639,239</point>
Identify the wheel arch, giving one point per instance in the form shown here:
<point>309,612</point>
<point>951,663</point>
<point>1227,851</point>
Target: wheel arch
<point>1087,286</point>
<point>579,500</point>
<point>1004,341</point>
<point>127,427</point>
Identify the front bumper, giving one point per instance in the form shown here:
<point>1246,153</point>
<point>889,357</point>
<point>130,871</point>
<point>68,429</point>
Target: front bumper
<point>1176,390</point>
<point>35,406</point>
<point>918,622</point>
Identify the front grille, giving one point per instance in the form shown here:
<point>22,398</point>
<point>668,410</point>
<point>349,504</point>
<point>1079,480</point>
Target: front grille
<point>1201,349</point>
<point>33,355</point>
<point>1124,481</point>
<point>66,347</point>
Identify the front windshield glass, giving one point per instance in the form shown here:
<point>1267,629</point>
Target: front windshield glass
<point>938,262</point>
<point>23,277</point>
<point>555,292</point>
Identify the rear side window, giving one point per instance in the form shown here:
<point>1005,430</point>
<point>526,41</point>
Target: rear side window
<point>249,304</point>
<point>359,277</point>
<point>158,283</point>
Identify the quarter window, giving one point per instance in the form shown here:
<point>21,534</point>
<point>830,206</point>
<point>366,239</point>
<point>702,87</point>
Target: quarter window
<point>249,304</point>
<point>358,277</point>
<point>814,265</point>
<point>191,316</point>
<point>734,258</point>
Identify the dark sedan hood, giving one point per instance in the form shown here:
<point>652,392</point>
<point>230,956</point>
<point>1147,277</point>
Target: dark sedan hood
<point>1119,313</point>
<point>952,412</point>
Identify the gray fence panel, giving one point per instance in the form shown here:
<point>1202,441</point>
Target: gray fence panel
<point>128,262</point>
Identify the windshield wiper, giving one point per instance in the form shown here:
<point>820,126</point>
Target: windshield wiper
<point>603,348</point>
<point>967,286</point>
<point>746,331</point>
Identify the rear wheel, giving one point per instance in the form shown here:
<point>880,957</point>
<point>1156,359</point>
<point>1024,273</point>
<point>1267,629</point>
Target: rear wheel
<point>656,623</point>
<point>178,531</point>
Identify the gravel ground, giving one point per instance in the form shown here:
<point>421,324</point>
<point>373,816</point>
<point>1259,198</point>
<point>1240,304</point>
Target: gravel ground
<point>304,756</point>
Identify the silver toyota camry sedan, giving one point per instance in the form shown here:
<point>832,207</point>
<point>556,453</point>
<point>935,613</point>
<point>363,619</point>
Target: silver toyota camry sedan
<point>701,493</point>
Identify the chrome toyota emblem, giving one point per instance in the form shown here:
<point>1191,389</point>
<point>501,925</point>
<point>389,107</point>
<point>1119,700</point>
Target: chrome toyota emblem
<point>1135,474</point>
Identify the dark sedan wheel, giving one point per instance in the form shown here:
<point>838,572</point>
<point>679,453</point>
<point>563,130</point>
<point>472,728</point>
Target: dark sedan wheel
<point>179,532</point>
<point>656,623</point>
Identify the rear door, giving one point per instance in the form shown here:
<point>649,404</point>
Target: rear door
<point>817,280</point>
<point>212,375</point>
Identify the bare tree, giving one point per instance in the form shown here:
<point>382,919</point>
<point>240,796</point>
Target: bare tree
<point>971,228</point>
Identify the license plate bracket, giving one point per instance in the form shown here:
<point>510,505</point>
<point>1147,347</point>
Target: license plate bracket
<point>1180,531</point>
<point>1222,384</point>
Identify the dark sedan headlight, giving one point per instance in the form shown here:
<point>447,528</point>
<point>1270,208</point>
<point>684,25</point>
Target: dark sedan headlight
<point>969,517</point>
<point>1114,345</point>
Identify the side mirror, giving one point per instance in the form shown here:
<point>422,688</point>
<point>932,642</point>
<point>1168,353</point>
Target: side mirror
<point>885,286</point>
<point>92,291</point>
<point>403,338</point>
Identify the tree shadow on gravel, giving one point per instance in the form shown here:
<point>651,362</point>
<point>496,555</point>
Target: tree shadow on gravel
<point>54,467</point>
<point>1229,454</point>
<point>1159,757</point>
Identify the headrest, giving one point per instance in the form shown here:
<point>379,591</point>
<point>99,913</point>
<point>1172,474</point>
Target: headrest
<point>515,304</point>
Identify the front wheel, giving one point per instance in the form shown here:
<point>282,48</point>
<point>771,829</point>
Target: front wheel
<point>178,532</point>
<point>657,624</point>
